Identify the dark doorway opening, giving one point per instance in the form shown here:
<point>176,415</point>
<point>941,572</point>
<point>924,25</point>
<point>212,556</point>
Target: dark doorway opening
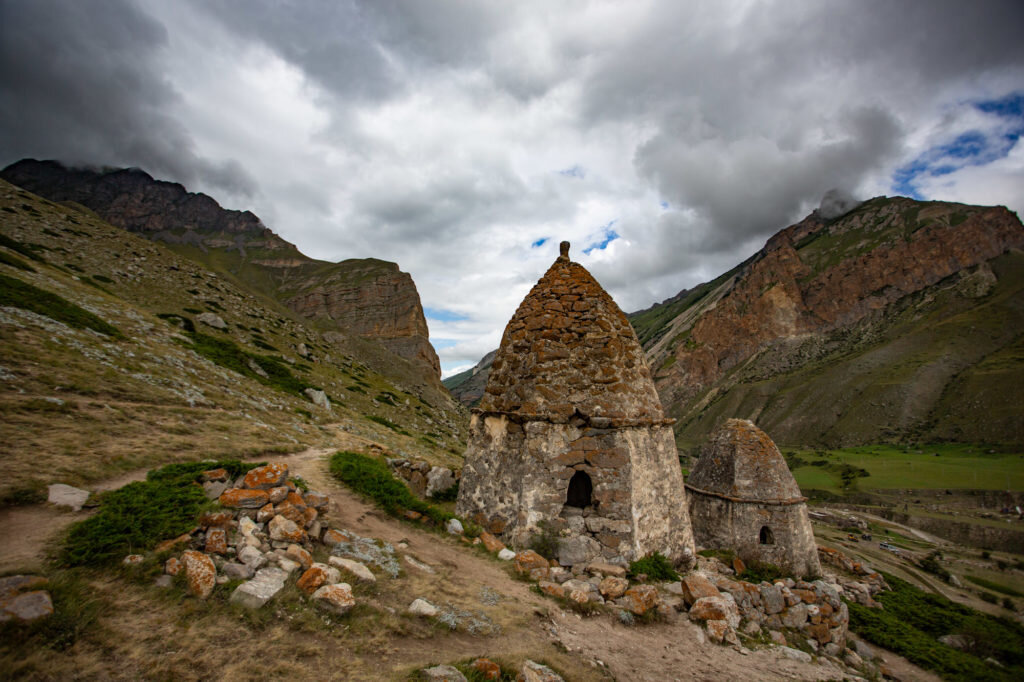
<point>580,490</point>
<point>767,536</point>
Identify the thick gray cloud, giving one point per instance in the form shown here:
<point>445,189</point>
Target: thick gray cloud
<point>463,140</point>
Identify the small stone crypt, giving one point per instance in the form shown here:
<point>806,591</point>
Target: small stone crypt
<point>743,497</point>
<point>570,432</point>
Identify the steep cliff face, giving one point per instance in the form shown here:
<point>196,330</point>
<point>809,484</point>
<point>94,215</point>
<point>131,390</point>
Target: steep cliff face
<point>365,298</point>
<point>873,283</point>
<point>468,387</point>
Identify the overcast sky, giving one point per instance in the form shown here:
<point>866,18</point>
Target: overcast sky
<point>667,140</point>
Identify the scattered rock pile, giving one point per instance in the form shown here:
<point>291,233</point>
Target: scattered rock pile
<point>861,589</point>
<point>23,599</point>
<point>487,669</point>
<point>266,533</point>
<point>422,478</point>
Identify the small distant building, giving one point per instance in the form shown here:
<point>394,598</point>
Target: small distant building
<point>743,497</point>
<point>570,432</point>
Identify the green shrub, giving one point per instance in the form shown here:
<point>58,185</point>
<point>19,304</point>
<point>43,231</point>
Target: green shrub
<point>912,621</point>
<point>372,478</point>
<point>931,564</point>
<point>384,421</point>
<point>449,494</point>
<point>14,292</point>
<point>655,566</point>
<point>761,571</point>
<point>136,517</point>
<point>227,353</point>
<point>545,542</point>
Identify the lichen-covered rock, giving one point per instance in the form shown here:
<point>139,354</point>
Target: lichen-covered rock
<point>716,608</point>
<point>278,494</point>
<point>442,673</point>
<point>613,587</point>
<point>242,498</point>
<point>172,566</point>
<point>200,573</point>
<point>357,569</point>
<point>22,599</point>
<point>216,541</point>
<point>528,561</point>
<point>267,476</point>
<point>421,607</point>
<point>695,586</point>
<point>491,543</point>
<point>262,588</point>
<point>641,599</point>
<point>312,579</point>
<point>299,554</point>
<point>487,668</point>
<point>535,672</point>
<point>282,529</point>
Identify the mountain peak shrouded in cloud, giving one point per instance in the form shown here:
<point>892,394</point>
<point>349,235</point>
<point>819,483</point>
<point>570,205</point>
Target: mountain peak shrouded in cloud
<point>447,136</point>
<point>836,202</point>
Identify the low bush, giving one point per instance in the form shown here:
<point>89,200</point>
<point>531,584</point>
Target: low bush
<point>227,353</point>
<point>761,571</point>
<point>136,517</point>
<point>545,542</point>
<point>14,292</point>
<point>449,494</point>
<point>384,421</point>
<point>371,477</point>
<point>655,566</point>
<point>912,621</point>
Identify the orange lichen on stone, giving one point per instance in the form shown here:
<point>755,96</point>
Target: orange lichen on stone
<point>268,476</point>
<point>247,499</point>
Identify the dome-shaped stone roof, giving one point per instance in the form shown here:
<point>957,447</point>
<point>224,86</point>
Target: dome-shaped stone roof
<point>743,463</point>
<point>570,348</point>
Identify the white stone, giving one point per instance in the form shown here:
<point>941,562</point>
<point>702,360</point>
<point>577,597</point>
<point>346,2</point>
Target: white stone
<point>67,496</point>
<point>318,398</point>
<point>439,479</point>
<point>262,588</point>
<point>506,554</point>
<point>421,607</point>
<point>287,565</point>
<point>211,320</point>
<point>442,673</point>
<point>357,569</point>
<point>454,526</point>
<point>252,557</point>
<point>794,654</point>
<point>246,526</point>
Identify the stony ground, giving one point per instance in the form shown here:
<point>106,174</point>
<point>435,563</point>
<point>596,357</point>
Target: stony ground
<point>143,632</point>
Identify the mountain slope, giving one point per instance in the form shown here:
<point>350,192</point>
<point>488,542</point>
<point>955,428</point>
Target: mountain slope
<point>117,353</point>
<point>363,298</point>
<point>900,319</point>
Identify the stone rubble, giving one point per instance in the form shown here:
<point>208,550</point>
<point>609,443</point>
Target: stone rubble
<point>23,600</point>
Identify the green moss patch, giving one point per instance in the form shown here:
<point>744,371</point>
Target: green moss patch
<point>371,477</point>
<point>14,292</point>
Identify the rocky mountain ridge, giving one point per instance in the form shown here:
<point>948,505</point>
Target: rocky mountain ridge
<point>364,298</point>
<point>874,284</point>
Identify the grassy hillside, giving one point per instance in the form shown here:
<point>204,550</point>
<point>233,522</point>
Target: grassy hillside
<point>106,366</point>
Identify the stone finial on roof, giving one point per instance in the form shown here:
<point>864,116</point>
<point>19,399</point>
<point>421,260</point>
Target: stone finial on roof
<point>563,251</point>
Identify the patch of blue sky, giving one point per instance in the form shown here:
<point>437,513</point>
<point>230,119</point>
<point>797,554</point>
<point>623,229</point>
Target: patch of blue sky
<point>664,205</point>
<point>438,344</point>
<point>609,235</point>
<point>539,243</point>
<point>442,315</point>
<point>971,148</point>
<point>576,171</point>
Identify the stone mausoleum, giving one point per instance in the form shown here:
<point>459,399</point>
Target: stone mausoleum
<point>570,432</point>
<point>743,497</point>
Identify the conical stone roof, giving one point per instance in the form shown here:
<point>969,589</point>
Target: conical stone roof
<point>743,463</point>
<point>570,348</point>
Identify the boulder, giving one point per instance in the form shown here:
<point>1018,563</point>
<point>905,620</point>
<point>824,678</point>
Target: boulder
<point>318,501</point>
<point>236,571</point>
<point>313,578</point>
<point>716,608</point>
<point>265,513</point>
<point>172,566</point>
<point>442,673</point>
<point>771,599</point>
<point>26,606</point>
<point>491,543</point>
<point>318,398</point>
<point>267,476</point>
<point>601,568</point>
<point>212,320</point>
<point>278,494</point>
<point>200,573</point>
<point>506,554</point>
<point>299,554</point>
<point>613,587</point>
<point>262,588</point>
<point>216,541</point>
<point>794,654</point>
<point>333,537</point>
<point>421,607</point>
<point>251,557</point>
<point>641,599</point>
<point>454,527</point>
<point>67,496</point>
<point>335,598</point>
<point>285,530</point>
<point>528,560</point>
<point>241,498</point>
<point>577,550</point>
<point>357,569</point>
<point>439,479</point>
<point>695,586</point>
<point>794,616</point>
<point>535,672</point>
<point>133,560</point>
<point>214,489</point>
<point>551,589</point>
<point>487,668</point>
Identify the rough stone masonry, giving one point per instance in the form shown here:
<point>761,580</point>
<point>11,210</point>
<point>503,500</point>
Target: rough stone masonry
<point>570,432</point>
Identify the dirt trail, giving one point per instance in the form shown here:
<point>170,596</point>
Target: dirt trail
<point>451,574</point>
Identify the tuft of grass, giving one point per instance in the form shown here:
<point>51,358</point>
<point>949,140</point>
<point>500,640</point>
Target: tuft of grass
<point>14,292</point>
<point>655,566</point>
<point>761,571</point>
<point>23,249</point>
<point>545,542</point>
<point>227,353</point>
<point>371,477</point>
<point>138,516</point>
<point>912,621</point>
<point>384,421</point>
<point>994,586</point>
